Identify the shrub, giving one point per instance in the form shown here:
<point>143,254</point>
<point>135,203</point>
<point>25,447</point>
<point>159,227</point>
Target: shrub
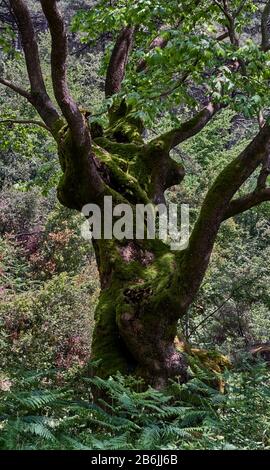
<point>51,326</point>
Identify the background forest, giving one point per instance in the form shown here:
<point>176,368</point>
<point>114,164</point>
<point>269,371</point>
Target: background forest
<point>49,288</point>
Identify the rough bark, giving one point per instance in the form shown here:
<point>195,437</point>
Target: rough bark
<point>39,96</point>
<point>118,61</point>
<point>75,146</point>
<point>135,330</point>
<point>189,128</point>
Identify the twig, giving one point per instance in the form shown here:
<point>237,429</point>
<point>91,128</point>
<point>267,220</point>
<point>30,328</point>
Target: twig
<point>25,122</point>
<point>16,88</point>
<point>219,307</point>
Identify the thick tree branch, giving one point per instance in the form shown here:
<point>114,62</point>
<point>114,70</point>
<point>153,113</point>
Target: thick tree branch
<point>246,202</point>
<point>39,96</point>
<point>29,43</point>
<point>195,259</point>
<point>118,61</point>
<point>189,128</point>
<point>59,53</point>
<point>265,45</point>
<point>81,182</point>
<point>264,173</point>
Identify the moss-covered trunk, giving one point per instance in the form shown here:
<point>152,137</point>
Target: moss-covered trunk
<point>136,317</point>
<point>138,309</point>
<point>145,287</point>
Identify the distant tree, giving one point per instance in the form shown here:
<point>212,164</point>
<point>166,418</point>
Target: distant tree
<point>193,48</point>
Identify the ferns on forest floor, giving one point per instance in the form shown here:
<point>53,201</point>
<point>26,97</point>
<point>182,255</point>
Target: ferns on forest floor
<point>190,416</point>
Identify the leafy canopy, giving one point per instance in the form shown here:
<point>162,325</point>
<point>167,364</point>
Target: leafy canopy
<point>196,65</point>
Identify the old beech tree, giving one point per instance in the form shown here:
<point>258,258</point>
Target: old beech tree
<point>145,287</point>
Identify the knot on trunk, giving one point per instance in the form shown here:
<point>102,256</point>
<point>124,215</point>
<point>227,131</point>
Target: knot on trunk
<point>136,294</point>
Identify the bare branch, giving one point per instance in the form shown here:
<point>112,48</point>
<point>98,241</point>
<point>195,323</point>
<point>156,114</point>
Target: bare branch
<point>222,36</point>
<point>219,6</point>
<point>59,52</point>
<point>230,21</point>
<point>39,96</point>
<point>16,88</point>
<point>246,202</point>
<point>25,122</point>
<point>118,61</point>
<point>29,43</point>
<point>239,9</point>
<point>211,314</point>
<point>219,307</point>
<point>189,128</point>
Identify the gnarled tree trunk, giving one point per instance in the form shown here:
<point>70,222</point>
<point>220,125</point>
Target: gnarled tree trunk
<point>139,305</point>
<point>136,318</point>
<point>145,287</point>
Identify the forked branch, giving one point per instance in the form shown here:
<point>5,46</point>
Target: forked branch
<point>256,197</point>
<point>242,204</point>
<point>230,19</point>
<point>218,206</point>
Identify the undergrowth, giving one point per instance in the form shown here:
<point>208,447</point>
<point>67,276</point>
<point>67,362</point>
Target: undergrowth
<point>34,414</point>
